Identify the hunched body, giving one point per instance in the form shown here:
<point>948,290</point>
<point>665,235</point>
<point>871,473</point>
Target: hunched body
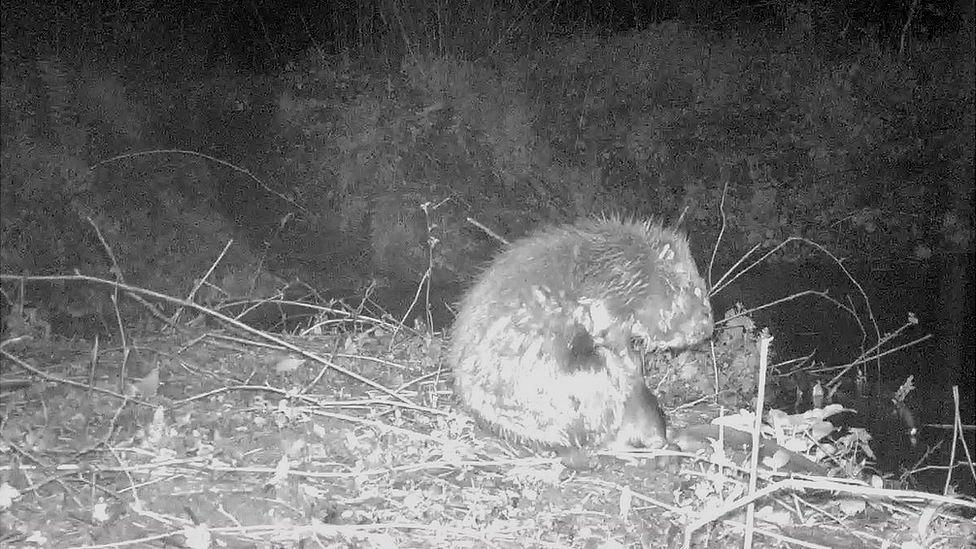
<point>543,347</point>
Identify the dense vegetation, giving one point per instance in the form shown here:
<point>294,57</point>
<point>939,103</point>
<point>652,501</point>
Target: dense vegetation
<point>847,124</point>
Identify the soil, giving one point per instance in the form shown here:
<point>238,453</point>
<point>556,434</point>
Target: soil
<point>214,439</point>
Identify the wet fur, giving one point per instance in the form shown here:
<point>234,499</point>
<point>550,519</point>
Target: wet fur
<point>542,346</point>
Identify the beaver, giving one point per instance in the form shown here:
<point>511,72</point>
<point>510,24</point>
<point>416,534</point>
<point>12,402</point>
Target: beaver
<point>545,347</point>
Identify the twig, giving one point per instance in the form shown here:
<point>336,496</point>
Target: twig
<point>863,359</point>
<point>424,285</point>
<point>202,281</point>
<point>351,316</point>
<point>117,271</point>
<point>201,155</point>
<point>49,377</point>
<point>93,362</point>
<point>825,484</point>
<point>864,296</point>
<point>722,284</point>
<point>958,438</point>
<point>684,512</point>
<point>904,29</point>
<point>488,231</point>
<point>721,233</point>
<point>764,342</point>
<point>219,316</point>
<point>781,300</point>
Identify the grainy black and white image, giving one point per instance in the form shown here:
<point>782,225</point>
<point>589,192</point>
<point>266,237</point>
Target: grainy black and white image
<point>487,273</point>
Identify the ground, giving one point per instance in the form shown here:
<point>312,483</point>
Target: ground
<point>218,439</point>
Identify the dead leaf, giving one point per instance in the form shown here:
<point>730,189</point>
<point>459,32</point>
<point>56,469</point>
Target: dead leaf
<point>288,364</point>
<point>148,385</point>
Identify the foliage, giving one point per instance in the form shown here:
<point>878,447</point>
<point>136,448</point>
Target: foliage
<point>59,124</point>
<point>806,141</point>
<point>184,39</point>
<point>800,133</point>
<point>369,154</point>
<point>730,362</point>
<point>846,453</point>
<point>812,140</point>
